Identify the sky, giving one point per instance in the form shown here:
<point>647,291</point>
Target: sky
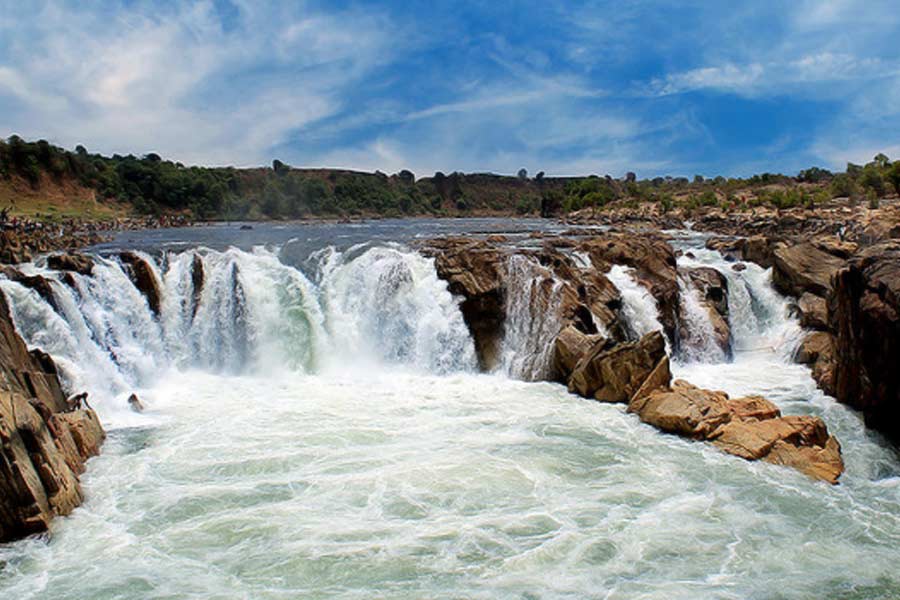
<point>659,88</point>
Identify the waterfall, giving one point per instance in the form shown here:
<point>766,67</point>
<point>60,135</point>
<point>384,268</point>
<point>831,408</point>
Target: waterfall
<point>697,336</point>
<point>368,306</point>
<point>532,318</point>
<point>639,307</point>
<point>758,315</point>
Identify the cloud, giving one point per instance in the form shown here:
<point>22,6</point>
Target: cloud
<point>178,83</point>
<point>775,77</point>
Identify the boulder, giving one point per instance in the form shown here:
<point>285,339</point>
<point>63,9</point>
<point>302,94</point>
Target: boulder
<point>813,312</point>
<point>135,403</point>
<point>864,314</point>
<point>751,428</point>
<point>615,374</point>
<point>804,268</point>
<point>684,410</point>
<point>71,261</point>
<point>197,280</point>
<point>144,279</point>
<point>569,347</point>
<point>817,351</point>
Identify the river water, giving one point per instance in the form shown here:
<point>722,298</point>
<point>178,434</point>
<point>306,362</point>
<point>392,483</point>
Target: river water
<point>316,428</point>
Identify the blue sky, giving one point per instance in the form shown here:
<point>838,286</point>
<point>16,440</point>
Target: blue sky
<point>679,88</point>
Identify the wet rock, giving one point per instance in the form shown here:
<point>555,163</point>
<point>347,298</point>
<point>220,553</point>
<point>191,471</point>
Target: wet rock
<point>683,409</point>
<point>38,283</point>
<point>738,267</point>
<point>144,279</point>
<point>197,281</point>
<point>615,374</point>
<point>71,261</point>
<point>864,313</point>
<point>712,288</point>
<point>569,347</point>
<point>42,447</point>
<point>135,403</point>
<point>804,268</point>
<point>813,312</point>
<point>817,350</point>
<point>751,428</point>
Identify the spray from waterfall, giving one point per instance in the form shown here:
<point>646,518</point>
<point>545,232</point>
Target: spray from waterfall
<point>697,335</point>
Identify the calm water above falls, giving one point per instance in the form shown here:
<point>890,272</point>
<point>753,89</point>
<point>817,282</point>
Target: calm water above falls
<point>317,430</point>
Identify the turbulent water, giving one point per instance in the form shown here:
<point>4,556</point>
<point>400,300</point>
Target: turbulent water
<point>315,428</point>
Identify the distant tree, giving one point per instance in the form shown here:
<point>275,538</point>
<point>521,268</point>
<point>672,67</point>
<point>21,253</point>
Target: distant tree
<point>280,167</point>
<point>854,170</point>
<point>698,178</point>
<point>539,177</point>
<point>407,177</point>
<point>814,175</point>
<point>81,150</point>
<point>153,157</point>
<point>894,176</point>
<point>630,177</point>
<point>871,179</point>
<point>523,174</point>
<point>881,160</point>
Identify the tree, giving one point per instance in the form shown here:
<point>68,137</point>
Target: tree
<point>407,177</point>
<point>280,167</point>
<point>630,177</point>
<point>881,160</point>
<point>894,176</point>
<point>523,174</point>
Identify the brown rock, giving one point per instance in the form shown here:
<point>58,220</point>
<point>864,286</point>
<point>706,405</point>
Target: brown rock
<point>864,313</point>
<point>41,450</point>
<point>684,409</point>
<point>144,279</point>
<point>804,268</point>
<point>813,312</point>
<point>71,261</point>
<point>569,347</point>
<point>614,375</point>
<point>817,351</point>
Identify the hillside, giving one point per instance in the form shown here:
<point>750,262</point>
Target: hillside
<point>39,179</point>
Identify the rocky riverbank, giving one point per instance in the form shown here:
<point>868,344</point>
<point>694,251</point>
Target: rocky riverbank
<point>577,312</point>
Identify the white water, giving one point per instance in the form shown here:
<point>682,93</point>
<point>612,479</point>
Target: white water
<point>697,334</point>
<point>639,308</point>
<point>532,319</point>
<point>368,474</point>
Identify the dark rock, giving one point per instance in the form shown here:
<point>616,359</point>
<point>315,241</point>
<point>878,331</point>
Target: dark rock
<point>615,374</point>
<point>804,268</point>
<point>71,261</point>
<point>144,279</point>
<point>864,314</point>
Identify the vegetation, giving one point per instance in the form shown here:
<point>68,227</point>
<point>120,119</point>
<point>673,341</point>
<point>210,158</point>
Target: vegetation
<point>152,185</point>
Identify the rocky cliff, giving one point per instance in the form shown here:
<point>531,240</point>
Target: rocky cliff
<point>44,442</point>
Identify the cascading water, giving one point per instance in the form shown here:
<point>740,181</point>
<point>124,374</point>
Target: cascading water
<point>697,339</point>
<point>254,313</point>
<point>532,318</point>
<point>639,307</point>
<point>299,442</point>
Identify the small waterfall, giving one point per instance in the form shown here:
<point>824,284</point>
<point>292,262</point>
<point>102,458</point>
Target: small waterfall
<point>639,307</point>
<point>758,315</point>
<point>532,318</point>
<point>697,335</point>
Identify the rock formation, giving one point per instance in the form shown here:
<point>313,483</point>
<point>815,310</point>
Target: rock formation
<point>43,445</point>
<point>144,279</point>
<point>864,313</point>
<point>751,428</point>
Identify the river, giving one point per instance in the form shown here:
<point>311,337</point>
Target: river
<point>316,427</point>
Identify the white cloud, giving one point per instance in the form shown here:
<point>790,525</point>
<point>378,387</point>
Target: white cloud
<point>178,84</point>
